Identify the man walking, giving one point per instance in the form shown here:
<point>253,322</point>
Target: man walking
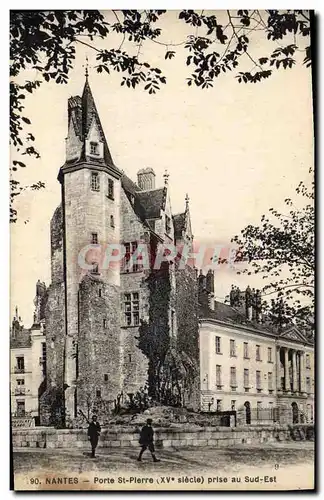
<point>94,430</point>
<point>146,440</point>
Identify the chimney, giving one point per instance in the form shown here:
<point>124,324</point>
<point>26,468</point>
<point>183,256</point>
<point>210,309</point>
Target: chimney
<point>210,281</point>
<point>258,306</point>
<point>201,281</point>
<point>211,301</point>
<point>75,111</point>
<point>146,179</point>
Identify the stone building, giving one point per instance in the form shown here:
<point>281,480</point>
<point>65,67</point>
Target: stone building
<point>112,326</point>
<point>27,366</point>
<point>247,366</point>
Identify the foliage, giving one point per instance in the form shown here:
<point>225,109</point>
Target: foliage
<point>140,401</point>
<point>45,41</point>
<point>172,370</point>
<point>282,250</point>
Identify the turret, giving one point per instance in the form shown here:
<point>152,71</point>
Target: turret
<point>90,184</point>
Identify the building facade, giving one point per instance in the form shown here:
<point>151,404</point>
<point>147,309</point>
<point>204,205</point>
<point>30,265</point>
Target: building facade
<point>27,367</point>
<point>114,327</point>
<point>248,367</point>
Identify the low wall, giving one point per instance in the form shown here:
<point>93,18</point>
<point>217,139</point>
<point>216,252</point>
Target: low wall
<point>46,437</point>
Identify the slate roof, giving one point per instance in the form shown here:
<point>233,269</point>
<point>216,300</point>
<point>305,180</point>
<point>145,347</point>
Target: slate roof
<point>179,222</point>
<point>235,317</point>
<point>21,340</point>
<point>89,111</point>
<point>152,202</point>
<point>128,185</point>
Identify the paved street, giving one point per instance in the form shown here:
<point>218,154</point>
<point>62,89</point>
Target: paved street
<point>285,460</point>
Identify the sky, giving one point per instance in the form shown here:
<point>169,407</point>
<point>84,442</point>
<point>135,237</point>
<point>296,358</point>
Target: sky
<point>236,149</point>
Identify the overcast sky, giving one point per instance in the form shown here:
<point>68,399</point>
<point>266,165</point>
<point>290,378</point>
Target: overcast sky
<point>236,149</point>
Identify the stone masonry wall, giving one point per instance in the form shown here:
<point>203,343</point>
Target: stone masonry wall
<point>50,400</point>
<point>134,362</point>
<point>119,437</point>
<point>57,246</point>
<point>187,327</point>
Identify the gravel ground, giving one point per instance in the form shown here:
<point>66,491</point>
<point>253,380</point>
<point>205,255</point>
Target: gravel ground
<point>291,464</point>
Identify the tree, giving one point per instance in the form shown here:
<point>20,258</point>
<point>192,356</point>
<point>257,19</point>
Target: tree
<point>282,250</point>
<point>215,45</point>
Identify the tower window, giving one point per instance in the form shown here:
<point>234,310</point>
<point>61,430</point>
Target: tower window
<point>131,309</point>
<point>100,292</point>
<point>130,358</point>
<point>98,393</point>
<point>131,263</point>
<point>94,238</point>
<point>110,189</point>
<point>106,377</point>
<point>95,181</point>
<point>94,150</point>
<point>112,221</point>
<point>104,323</point>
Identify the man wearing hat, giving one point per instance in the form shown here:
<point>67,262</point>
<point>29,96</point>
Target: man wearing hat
<point>94,430</point>
<point>146,440</point>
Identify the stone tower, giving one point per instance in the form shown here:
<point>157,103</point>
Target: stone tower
<point>85,294</point>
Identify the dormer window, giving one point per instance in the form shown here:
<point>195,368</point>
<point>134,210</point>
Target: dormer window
<point>95,181</point>
<point>94,148</point>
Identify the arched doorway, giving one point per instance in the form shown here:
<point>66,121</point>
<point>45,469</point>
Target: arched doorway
<point>247,412</point>
<point>295,413</point>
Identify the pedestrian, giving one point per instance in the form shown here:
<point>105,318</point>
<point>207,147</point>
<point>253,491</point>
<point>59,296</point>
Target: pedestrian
<point>94,430</point>
<point>146,440</point>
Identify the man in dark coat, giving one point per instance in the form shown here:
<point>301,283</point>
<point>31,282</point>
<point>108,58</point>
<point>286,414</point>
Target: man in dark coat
<point>94,430</point>
<point>146,440</point>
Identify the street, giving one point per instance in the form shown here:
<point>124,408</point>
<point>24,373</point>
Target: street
<point>282,461</point>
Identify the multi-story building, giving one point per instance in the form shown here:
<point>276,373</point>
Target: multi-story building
<point>27,367</point>
<point>247,365</point>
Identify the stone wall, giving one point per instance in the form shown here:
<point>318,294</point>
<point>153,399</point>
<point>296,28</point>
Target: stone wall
<point>57,245</point>
<point>135,363</point>
<point>51,402</point>
<point>188,328</point>
<point>99,350</point>
<point>119,437</point>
